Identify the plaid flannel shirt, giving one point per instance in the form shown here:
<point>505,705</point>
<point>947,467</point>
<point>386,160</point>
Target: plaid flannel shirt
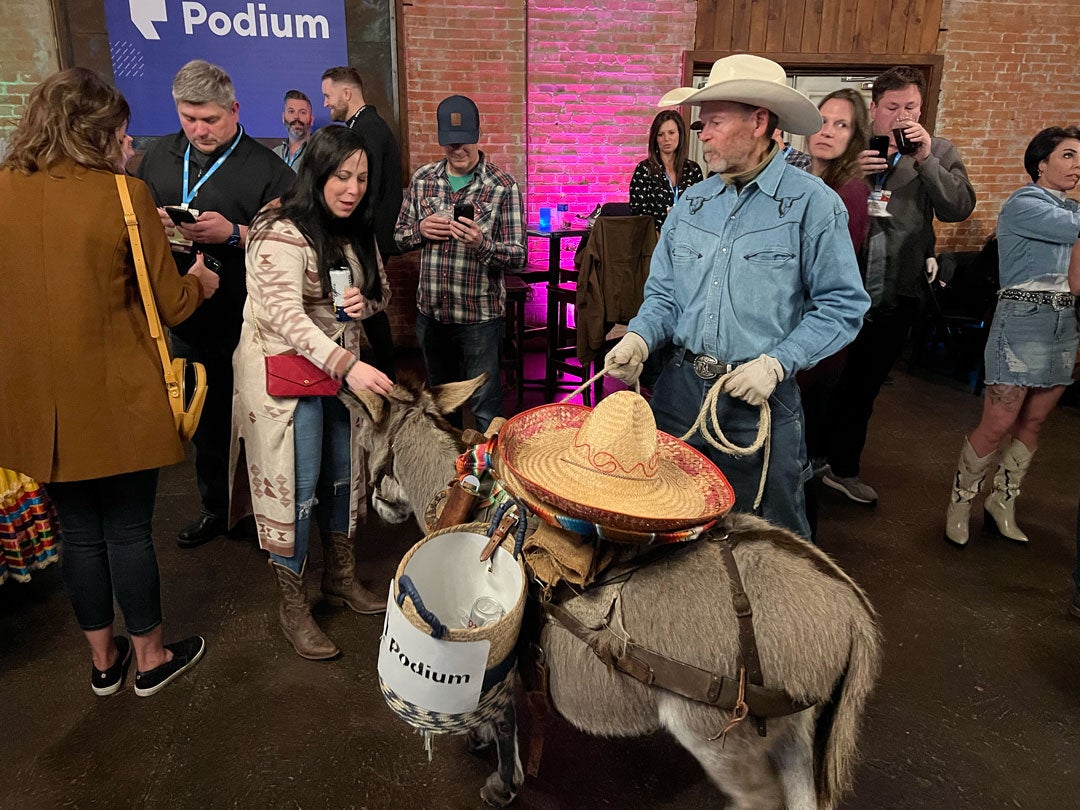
<point>459,284</point>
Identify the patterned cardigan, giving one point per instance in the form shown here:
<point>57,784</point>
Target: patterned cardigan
<point>286,302</point>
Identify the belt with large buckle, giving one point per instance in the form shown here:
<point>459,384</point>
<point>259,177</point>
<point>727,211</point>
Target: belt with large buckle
<point>1058,300</point>
<point>706,366</point>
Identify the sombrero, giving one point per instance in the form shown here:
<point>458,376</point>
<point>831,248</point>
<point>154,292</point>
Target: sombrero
<point>754,80</point>
<point>610,465</point>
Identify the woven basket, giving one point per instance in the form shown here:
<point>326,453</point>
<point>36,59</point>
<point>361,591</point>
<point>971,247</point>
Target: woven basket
<point>446,592</point>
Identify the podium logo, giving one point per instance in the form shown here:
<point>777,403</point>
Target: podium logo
<point>144,13</point>
<point>253,21</point>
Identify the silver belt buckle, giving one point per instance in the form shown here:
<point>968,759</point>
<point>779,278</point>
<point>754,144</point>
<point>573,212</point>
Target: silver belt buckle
<point>705,366</point>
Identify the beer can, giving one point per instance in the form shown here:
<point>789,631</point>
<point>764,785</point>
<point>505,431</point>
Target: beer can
<point>340,279</point>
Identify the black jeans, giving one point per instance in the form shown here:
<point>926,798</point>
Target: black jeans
<point>108,549</point>
<point>870,358</point>
<point>213,435</point>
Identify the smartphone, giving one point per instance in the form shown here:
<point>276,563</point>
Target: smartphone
<point>179,215</point>
<point>464,210</point>
<point>880,144</point>
<point>211,262</point>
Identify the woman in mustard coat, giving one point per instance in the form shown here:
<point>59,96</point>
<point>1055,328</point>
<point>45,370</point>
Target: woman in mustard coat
<point>84,404</point>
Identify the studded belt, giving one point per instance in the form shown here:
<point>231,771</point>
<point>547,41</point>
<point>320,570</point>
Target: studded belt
<point>1058,300</point>
<point>706,366</point>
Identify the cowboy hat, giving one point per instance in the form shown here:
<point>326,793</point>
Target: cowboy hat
<point>754,80</point>
<point>610,465</point>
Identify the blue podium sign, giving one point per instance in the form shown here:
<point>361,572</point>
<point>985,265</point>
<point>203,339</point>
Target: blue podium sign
<point>266,47</point>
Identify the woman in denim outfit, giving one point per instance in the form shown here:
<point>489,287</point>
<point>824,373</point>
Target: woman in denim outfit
<point>1033,340</point>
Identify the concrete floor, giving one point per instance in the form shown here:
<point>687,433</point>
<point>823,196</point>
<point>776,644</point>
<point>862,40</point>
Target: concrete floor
<point>978,705</point>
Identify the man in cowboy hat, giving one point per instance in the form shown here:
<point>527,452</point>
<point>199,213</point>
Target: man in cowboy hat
<point>754,278</point>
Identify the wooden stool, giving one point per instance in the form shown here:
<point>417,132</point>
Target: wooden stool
<point>513,345</point>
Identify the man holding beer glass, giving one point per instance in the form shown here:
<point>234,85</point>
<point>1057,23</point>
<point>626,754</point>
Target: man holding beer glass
<point>921,177</point>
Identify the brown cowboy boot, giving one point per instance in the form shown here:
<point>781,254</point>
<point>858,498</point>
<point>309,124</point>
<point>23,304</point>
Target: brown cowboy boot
<point>339,584</point>
<point>294,614</point>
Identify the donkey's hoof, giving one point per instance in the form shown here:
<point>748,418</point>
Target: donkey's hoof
<point>496,793</point>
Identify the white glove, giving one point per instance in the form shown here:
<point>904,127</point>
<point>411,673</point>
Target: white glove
<point>754,382</point>
<point>625,361</point>
<point>931,269</point>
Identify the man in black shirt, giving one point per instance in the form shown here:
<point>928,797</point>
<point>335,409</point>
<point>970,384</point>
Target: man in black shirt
<point>343,95</point>
<point>214,168</point>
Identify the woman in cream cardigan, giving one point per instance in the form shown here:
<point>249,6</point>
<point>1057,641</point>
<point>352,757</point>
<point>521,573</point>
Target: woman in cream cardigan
<point>299,453</point>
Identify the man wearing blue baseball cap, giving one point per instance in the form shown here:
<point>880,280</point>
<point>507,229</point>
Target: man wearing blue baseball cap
<point>465,215</point>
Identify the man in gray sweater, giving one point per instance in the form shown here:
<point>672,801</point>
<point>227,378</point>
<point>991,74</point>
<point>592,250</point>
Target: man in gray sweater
<point>922,177</point>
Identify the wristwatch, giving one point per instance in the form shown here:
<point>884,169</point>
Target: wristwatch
<point>234,240</point>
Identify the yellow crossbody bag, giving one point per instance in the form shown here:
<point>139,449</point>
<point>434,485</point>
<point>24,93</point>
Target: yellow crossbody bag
<point>186,410</point>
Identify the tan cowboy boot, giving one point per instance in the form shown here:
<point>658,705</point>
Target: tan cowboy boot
<point>294,614</point>
<point>970,474</point>
<point>339,583</point>
<point>1000,506</point>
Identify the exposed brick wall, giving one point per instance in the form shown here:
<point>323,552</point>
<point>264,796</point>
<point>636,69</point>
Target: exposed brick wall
<point>590,72</point>
<point>27,55</point>
<point>999,87</point>
<point>474,48</point>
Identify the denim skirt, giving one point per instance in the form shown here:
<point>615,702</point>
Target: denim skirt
<point>1033,345</point>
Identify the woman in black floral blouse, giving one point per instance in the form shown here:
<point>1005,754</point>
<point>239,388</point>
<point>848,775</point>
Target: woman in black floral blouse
<point>660,180</point>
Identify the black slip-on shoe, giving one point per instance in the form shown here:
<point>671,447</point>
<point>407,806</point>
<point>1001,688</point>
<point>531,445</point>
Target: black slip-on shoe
<point>204,529</point>
<point>109,681</point>
<point>186,654</point>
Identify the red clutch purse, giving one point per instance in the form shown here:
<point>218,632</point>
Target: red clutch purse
<point>290,375</point>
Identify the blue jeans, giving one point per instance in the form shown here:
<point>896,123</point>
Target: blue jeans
<point>678,396</point>
<point>321,440</point>
<point>108,549</point>
<point>461,351</point>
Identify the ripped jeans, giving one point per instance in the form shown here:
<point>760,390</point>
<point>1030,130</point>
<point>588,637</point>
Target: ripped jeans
<point>323,471</point>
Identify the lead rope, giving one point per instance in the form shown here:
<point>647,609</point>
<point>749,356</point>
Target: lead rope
<point>708,424</point>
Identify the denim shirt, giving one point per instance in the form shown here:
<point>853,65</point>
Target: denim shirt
<point>1036,232</point>
<point>769,270</point>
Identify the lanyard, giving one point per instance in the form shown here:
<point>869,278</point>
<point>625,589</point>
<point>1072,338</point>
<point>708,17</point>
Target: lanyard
<point>879,182</point>
<point>291,159</point>
<point>674,188</point>
<point>189,196</point>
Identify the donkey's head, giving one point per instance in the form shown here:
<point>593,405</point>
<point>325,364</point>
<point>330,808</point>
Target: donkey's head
<point>410,446</point>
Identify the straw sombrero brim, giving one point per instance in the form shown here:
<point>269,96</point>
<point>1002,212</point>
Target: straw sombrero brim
<point>587,528</point>
<point>796,113</point>
<point>687,490</point>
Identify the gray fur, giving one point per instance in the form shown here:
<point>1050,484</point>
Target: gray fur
<point>816,633</point>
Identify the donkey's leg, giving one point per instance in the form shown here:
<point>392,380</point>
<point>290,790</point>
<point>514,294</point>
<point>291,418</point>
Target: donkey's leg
<point>479,739</point>
<point>739,766</point>
<point>503,785</point>
<point>792,754</point>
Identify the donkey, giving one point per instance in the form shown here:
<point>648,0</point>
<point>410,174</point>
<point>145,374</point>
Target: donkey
<point>816,633</point>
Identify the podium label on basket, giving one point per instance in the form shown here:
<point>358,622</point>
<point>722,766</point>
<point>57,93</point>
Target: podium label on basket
<point>436,675</point>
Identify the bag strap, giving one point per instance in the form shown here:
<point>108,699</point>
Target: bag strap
<point>147,293</point>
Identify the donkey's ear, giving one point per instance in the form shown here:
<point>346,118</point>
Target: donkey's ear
<point>367,401</point>
<point>451,396</point>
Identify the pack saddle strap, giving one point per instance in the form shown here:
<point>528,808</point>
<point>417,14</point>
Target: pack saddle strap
<point>653,669</point>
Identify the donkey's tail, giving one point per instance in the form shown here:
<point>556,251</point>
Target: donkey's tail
<point>836,731</point>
